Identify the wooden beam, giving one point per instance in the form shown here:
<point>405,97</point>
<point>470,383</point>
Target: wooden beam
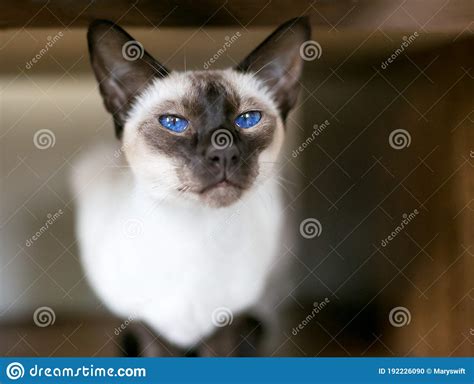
<point>440,298</point>
<point>435,15</point>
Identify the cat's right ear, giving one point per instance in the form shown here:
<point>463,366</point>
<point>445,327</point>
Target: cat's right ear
<point>122,68</point>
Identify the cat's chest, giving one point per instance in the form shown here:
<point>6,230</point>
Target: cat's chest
<point>172,251</point>
<point>170,257</point>
<point>173,267</point>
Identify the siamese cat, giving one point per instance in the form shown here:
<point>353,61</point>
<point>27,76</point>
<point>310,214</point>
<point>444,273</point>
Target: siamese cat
<point>182,231</point>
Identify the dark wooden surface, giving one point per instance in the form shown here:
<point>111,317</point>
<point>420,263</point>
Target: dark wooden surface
<point>433,15</point>
<point>364,186</point>
<point>97,337</point>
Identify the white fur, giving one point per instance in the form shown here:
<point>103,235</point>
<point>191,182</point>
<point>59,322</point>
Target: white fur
<point>160,257</point>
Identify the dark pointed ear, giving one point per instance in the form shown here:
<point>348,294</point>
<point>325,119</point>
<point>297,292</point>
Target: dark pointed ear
<point>278,62</point>
<point>122,68</point>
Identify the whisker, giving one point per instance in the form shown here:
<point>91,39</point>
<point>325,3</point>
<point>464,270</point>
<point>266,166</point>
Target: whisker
<point>287,181</point>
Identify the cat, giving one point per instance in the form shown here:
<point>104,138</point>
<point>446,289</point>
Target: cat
<point>181,232</point>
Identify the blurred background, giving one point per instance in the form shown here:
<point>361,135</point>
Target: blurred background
<point>379,163</point>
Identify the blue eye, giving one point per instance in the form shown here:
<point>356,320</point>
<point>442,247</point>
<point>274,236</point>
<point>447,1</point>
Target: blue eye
<point>173,123</point>
<point>248,119</point>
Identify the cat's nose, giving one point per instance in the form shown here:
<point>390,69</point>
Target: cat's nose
<point>223,158</point>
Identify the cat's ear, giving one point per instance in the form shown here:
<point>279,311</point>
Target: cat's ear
<point>278,62</point>
<point>122,68</point>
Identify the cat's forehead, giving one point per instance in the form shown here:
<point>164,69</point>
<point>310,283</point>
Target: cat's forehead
<point>193,90</point>
<point>210,92</point>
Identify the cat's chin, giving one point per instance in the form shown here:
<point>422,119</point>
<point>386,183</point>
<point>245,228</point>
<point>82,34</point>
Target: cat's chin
<point>221,195</point>
<point>217,196</point>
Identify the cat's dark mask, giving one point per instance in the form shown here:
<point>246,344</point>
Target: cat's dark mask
<point>208,135</point>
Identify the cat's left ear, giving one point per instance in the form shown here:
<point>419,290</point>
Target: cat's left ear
<point>278,63</point>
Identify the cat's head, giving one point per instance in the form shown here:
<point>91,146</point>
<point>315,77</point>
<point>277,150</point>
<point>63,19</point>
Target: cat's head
<point>209,136</point>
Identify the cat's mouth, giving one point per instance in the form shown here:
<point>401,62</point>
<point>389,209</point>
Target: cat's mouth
<point>224,184</point>
<point>218,191</point>
<point>221,193</point>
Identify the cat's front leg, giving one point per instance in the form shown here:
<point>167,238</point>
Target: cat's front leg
<point>243,337</point>
<point>140,341</point>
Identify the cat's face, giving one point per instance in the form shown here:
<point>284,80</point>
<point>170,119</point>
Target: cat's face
<point>198,149</point>
<point>209,136</point>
